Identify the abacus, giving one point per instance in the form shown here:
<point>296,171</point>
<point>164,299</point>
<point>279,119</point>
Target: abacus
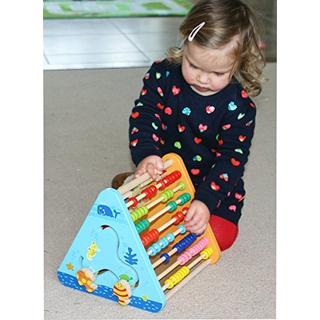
<point>133,247</point>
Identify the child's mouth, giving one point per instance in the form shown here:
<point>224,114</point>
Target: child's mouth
<point>201,89</point>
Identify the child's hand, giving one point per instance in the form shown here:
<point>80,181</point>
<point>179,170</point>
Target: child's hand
<point>153,165</point>
<point>197,217</point>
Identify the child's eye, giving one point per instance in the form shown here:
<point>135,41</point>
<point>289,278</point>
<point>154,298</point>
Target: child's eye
<point>218,74</point>
<point>192,66</point>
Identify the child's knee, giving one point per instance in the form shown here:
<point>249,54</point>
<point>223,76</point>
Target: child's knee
<point>225,231</point>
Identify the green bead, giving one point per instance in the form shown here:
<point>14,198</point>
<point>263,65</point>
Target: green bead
<point>138,213</point>
<point>166,195</point>
<point>181,185</point>
<point>142,225</point>
<point>184,198</point>
<point>172,206</point>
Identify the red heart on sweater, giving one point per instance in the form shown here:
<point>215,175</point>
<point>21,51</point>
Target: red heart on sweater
<point>155,137</point>
<point>168,111</point>
<point>209,109</point>
<point>133,143</point>
<point>134,130</point>
<point>214,186</point>
<point>235,162</point>
<point>160,91</point>
<point>197,140</point>
<point>202,127</point>
<point>181,128</point>
<point>242,138</point>
<point>160,106</point>
<point>244,94</point>
<point>224,176</point>
<point>226,126</point>
<point>195,172</point>
<point>135,115</point>
<point>175,90</point>
<point>238,196</point>
<point>144,92</point>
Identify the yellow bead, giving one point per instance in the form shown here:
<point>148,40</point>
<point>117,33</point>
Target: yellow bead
<point>206,253</point>
<point>169,283</point>
<point>179,275</point>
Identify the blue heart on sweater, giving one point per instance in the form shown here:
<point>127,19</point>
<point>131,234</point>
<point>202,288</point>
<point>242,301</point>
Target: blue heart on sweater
<point>232,106</point>
<point>186,111</point>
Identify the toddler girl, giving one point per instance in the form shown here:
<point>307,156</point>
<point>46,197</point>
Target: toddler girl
<point>196,103</point>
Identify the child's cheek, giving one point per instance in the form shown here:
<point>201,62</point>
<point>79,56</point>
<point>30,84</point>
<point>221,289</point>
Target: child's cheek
<point>187,76</point>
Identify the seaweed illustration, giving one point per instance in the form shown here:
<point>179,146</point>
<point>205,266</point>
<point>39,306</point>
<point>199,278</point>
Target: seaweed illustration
<point>130,257</point>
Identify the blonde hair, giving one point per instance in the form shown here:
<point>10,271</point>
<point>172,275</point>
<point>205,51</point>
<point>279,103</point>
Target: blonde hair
<point>225,19</point>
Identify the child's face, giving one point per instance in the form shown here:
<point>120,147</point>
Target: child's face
<point>207,70</point>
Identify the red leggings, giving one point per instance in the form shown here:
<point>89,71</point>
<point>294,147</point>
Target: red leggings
<point>225,231</point>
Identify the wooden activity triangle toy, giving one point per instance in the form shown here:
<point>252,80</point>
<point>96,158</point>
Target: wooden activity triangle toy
<point>133,248</point>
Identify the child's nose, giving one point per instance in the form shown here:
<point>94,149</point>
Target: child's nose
<point>202,78</point>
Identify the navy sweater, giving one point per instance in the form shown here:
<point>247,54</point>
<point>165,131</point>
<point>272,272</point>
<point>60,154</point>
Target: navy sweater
<point>211,133</point>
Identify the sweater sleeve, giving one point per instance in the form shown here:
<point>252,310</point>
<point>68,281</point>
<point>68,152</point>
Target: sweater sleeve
<point>231,152</point>
<point>145,119</point>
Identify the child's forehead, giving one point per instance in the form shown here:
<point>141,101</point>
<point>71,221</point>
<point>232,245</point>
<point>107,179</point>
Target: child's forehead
<point>207,57</point>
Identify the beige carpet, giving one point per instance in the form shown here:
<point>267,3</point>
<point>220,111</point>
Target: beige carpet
<point>86,123</point>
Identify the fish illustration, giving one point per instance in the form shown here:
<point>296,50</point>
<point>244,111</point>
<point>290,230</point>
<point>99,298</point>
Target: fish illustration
<point>92,250</point>
<point>104,210</point>
<point>122,290</point>
<point>86,278</point>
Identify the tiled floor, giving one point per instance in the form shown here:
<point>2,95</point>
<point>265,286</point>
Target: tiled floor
<point>126,42</point>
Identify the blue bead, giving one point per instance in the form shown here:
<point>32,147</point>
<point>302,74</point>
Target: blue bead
<point>156,247</point>
<point>178,247</point>
<point>152,251</point>
<point>166,256</point>
<point>163,242</point>
<point>182,229</point>
<point>170,237</point>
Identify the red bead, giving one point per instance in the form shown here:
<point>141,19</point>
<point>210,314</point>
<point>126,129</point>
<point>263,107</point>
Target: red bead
<point>149,192</point>
<point>150,237</point>
<point>169,179</point>
<point>185,210</point>
<point>179,216</point>
<point>134,200</point>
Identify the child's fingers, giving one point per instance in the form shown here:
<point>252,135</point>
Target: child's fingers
<point>159,166</point>
<point>190,213</point>
<point>201,230</point>
<point>151,170</point>
<point>198,228</point>
<point>195,226</point>
<point>138,173</point>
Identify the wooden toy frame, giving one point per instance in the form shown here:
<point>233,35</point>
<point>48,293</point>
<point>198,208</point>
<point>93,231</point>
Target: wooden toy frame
<point>108,258</point>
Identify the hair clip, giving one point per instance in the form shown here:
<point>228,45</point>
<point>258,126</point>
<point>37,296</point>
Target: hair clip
<point>195,31</point>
